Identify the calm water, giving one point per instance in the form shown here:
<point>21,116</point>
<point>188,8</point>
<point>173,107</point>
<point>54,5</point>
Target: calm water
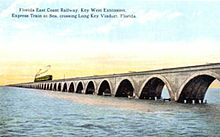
<point>30,112</point>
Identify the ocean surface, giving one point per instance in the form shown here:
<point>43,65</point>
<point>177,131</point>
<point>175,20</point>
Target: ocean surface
<point>31,112</point>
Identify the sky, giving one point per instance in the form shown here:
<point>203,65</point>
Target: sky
<point>164,34</point>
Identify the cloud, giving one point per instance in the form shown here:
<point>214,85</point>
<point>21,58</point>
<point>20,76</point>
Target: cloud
<point>101,4</point>
<point>23,26</point>
<point>174,15</point>
<point>197,13</point>
<point>151,15</point>
<point>65,32</point>
<point>108,27</point>
<point>7,12</point>
<point>102,29</point>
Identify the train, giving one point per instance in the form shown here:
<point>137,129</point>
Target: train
<point>43,78</point>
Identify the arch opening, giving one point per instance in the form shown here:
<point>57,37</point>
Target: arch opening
<point>165,93</point>
<point>195,89</point>
<point>90,88</point>
<point>45,86</point>
<point>125,89</point>
<point>153,90</point>
<point>64,87</point>
<point>51,86</point>
<point>48,86</point>
<point>104,89</point>
<point>79,88</point>
<point>213,93</point>
<point>55,86</point>
<point>71,88</point>
<point>59,87</point>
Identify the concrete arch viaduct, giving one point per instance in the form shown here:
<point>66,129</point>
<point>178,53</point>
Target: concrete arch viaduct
<point>185,84</point>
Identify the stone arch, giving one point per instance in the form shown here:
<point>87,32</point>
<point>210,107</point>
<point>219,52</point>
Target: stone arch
<point>80,87</point>
<point>104,88</point>
<point>195,87</point>
<point>55,86</point>
<point>64,87</point>
<point>125,89</point>
<point>59,87</point>
<point>153,86</point>
<point>71,87</point>
<point>90,89</point>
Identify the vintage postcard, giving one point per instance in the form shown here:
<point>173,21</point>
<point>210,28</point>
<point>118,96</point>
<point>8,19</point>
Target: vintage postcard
<point>109,68</point>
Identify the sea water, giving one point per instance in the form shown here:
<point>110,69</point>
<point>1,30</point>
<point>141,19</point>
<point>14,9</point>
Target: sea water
<point>31,112</point>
